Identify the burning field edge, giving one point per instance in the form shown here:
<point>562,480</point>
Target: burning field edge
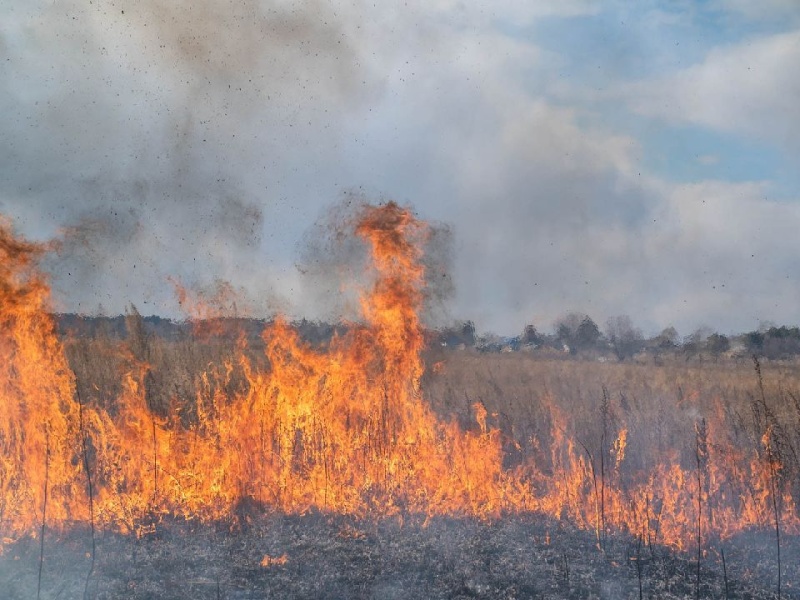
<point>369,464</point>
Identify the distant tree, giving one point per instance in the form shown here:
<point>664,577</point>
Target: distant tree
<point>566,329</point>
<point>695,342</point>
<point>781,342</point>
<point>588,334</point>
<point>717,343</point>
<point>530,336</point>
<point>458,333</point>
<point>668,338</point>
<point>754,342</point>
<point>489,342</point>
<point>625,339</point>
<point>577,331</point>
<point>564,337</point>
<point>468,333</point>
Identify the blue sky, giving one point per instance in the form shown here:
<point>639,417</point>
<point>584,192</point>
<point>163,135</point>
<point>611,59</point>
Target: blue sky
<point>635,158</point>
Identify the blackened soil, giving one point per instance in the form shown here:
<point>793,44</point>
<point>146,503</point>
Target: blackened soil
<point>318,556</point>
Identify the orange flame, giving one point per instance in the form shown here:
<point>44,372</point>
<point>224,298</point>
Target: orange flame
<point>344,430</point>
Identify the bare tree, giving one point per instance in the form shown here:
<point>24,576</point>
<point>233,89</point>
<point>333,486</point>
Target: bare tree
<point>625,339</point>
<point>577,331</point>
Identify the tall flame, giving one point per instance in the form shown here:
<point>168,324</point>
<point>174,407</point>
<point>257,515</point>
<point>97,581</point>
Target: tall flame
<point>38,427</point>
<point>343,429</point>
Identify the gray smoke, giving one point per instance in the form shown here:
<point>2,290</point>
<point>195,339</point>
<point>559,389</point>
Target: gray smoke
<point>334,263</point>
<point>199,140</point>
<point>155,135</point>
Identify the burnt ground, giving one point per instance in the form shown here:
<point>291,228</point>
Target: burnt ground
<point>319,556</point>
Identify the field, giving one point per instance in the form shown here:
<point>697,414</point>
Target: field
<point>243,459</point>
<point>535,403</point>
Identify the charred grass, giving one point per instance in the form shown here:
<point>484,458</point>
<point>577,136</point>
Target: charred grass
<point>517,556</point>
<point>322,556</point>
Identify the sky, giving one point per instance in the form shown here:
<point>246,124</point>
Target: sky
<point>612,158</point>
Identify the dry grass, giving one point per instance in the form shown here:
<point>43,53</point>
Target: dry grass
<point>658,404</point>
<point>525,395</point>
<point>528,398</point>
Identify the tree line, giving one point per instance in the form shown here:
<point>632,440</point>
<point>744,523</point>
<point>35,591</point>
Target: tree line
<point>574,334</point>
<point>577,334</point>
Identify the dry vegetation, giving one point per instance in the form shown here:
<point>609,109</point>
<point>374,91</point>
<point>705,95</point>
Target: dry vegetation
<point>659,405</point>
<point>141,460</point>
<point>528,399</point>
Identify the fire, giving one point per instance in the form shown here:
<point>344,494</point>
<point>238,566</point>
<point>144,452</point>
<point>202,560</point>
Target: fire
<point>344,429</point>
<point>271,561</point>
<point>39,423</point>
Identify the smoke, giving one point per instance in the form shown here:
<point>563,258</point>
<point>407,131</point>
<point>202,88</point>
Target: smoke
<point>334,263</point>
<point>157,135</point>
<point>198,140</point>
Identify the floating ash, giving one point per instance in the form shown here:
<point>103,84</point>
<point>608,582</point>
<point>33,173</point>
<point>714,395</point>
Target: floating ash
<point>344,429</point>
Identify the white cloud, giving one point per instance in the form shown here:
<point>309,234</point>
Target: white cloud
<point>751,87</point>
<point>724,253</point>
<point>430,103</point>
<point>552,215</point>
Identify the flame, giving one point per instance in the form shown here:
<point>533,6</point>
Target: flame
<point>344,429</point>
<point>271,561</point>
<point>38,427</point>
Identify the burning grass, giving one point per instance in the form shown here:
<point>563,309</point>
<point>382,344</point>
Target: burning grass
<point>129,434</point>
